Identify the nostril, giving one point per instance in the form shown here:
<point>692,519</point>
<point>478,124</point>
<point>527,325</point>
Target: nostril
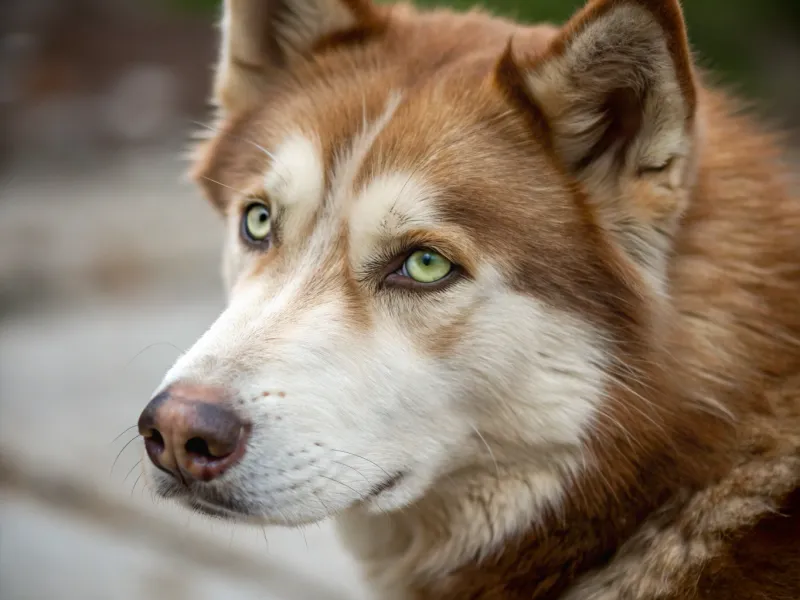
<point>154,441</point>
<point>199,447</point>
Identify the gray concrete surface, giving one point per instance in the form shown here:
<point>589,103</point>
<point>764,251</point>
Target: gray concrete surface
<point>106,274</point>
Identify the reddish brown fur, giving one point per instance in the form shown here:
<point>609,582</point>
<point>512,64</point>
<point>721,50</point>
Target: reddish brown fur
<point>730,333</point>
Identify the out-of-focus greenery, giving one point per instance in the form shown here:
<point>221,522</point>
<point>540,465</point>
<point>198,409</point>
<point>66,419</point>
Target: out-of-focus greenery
<point>723,32</point>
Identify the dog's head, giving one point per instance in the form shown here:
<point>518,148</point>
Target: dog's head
<point>447,235</point>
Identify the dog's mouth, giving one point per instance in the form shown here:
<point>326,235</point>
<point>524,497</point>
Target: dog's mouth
<point>204,500</point>
<point>222,506</point>
<point>387,485</point>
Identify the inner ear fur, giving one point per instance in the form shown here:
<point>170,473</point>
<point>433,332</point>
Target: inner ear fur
<point>260,38</point>
<point>613,98</point>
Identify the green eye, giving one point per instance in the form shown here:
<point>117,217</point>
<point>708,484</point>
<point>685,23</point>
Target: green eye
<point>256,224</point>
<point>426,266</point>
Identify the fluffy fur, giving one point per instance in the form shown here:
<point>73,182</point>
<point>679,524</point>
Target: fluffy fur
<point>604,403</point>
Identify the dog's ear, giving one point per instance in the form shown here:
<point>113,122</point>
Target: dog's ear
<point>613,99</point>
<point>261,37</point>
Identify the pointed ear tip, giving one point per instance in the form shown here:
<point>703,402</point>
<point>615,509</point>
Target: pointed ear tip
<point>652,5</point>
<point>663,10</point>
<point>528,47</point>
<point>511,62</point>
<point>667,14</point>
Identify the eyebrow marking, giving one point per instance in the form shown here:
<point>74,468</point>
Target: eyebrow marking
<point>297,174</point>
<point>347,167</point>
<point>388,206</point>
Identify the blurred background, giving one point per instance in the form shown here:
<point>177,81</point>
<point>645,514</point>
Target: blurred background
<point>109,268</point>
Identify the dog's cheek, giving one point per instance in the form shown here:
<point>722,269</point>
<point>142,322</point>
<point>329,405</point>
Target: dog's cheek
<point>527,362</point>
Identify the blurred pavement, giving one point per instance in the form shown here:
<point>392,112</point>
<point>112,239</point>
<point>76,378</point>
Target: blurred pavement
<point>105,273</point>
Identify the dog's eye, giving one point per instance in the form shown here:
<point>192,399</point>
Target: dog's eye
<point>426,266</point>
<point>256,223</point>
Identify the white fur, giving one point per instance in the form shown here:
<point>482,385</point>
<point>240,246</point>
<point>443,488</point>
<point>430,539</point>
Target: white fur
<point>387,207</point>
<point>349,161</point>
<point>295,182</point>
<point>296,176</point>
<point>526,379</point>
<point>535,377</point>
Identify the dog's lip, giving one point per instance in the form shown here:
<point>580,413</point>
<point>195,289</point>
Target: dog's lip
<point>385,485</point>
<point>231,510</point>
<point>196,498</point>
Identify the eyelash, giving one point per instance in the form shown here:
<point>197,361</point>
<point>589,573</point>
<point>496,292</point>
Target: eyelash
<point>391,263</point>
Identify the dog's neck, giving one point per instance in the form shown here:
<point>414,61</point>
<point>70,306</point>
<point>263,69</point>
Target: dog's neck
<point>460,522</point>
<point>541,528</point>
<point>476,534</point>
<point>449,548</point>
<point>464,518</point>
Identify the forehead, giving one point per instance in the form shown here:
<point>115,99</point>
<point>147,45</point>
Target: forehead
<point>378,153</point>
<point>371,157</point>
<point>364,159</point>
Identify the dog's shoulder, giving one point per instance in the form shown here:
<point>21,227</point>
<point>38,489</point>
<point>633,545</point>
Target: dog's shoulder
<point>763,563</point>
<point>738,538</point>
<point>762,558</point>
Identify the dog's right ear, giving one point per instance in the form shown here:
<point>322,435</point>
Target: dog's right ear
<point>261,37</point>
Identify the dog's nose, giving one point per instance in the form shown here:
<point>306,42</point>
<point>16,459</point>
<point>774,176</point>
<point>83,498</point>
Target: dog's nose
<point>191,433</point>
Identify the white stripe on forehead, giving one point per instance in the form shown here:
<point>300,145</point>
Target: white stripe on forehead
<point>347,166</point>
<point>296,178</point>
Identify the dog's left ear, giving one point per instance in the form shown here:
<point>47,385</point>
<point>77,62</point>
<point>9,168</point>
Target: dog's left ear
<point>260,38</point>
<point>613,99</point>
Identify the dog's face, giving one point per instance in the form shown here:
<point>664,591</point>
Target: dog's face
<point>419,281</point>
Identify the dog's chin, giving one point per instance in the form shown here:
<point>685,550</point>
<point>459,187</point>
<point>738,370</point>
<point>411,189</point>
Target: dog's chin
<point>210,509</point>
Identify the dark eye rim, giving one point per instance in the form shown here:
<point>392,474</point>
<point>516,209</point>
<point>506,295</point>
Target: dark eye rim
<point>394,278</point>
<point>243,230</point>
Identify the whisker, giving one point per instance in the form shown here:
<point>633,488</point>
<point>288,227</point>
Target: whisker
<point>299,528</point>
<point>485,443</point>
<point>328,512</point>
<point>134,484</point>
<point>121,451</point>
<point>305,539</point>
<point>352,489</point>
<point>237,137</point>
<point>364,111</point>
<point>363,458</point>
<point>233,189</point>
<point>124,431</point>
<point>150,347</point>
<point>131,471</point>
<point>266,541</point>
<point>354,469</point>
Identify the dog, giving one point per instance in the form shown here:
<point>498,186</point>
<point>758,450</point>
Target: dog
<point>518,306</point>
